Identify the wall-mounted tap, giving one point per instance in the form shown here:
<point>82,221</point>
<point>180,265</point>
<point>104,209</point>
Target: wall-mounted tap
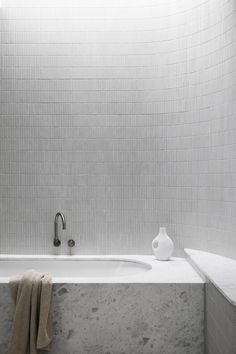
<point>56,240</point>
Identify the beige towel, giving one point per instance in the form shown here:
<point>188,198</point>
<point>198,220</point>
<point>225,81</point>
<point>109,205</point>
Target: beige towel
<point>31,328</point>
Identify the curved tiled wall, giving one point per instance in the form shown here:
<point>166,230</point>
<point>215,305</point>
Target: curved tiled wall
<point>120,114</point>
<point>201,141</point>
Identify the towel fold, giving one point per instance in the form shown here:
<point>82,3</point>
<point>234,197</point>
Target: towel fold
<point>31,328</point>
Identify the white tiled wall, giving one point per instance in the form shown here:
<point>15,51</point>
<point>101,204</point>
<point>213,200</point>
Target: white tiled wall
<point>201,140</point>
<point>121,114</point>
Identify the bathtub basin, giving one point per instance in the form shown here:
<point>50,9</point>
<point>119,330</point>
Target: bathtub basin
<point>99,269</point>
<point>81,267</point>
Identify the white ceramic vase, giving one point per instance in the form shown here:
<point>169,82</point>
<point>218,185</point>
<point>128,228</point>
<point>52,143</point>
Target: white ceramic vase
<point>162,245</point>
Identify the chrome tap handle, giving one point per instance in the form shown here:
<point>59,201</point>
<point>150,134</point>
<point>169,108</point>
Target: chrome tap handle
<point>71,243</point>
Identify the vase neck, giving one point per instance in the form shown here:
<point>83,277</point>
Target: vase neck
<point>162,231</point>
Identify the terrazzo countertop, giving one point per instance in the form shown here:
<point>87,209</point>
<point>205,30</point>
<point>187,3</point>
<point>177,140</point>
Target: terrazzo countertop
<point>219,270</point>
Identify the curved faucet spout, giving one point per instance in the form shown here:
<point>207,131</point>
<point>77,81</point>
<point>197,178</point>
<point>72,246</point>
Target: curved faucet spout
<point>56,240</point>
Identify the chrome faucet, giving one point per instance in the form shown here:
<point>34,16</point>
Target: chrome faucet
<point>56,240</point>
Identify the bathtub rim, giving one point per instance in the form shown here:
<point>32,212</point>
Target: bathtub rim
<point>176,270</point>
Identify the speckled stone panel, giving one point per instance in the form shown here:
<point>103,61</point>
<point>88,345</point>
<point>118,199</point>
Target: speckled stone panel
<point>220,323</point>
<point>120,318</point>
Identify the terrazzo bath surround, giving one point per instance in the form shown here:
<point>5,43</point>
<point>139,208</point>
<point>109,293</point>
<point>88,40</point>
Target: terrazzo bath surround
<point>123,316</point>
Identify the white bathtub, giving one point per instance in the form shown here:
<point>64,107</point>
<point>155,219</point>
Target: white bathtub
<point>114,304</point>
<point>100,269</point>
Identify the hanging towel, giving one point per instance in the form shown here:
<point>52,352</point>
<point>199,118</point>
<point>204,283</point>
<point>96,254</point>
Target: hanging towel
<point>31,328</point>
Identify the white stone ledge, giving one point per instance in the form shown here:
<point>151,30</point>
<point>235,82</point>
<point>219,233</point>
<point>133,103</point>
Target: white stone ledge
<point>219,270</point>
